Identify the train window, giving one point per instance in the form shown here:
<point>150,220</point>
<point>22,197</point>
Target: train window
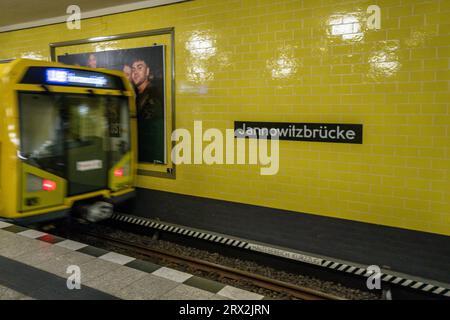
<point>95,118</point>
<point>78,137</point>
<point>86,143</point>
<point>86,124</point>
<point>41,132</point>
<point>119,129</point>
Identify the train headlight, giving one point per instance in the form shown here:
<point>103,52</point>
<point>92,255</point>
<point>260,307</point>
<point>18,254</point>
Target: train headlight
<point>122,171</point>
<point>48,185</point>
<point>118,172</point>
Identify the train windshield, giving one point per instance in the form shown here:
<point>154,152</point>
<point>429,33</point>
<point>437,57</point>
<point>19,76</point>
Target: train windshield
<point>78,137</point>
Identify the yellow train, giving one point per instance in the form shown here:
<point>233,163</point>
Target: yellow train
<point>67,138</point>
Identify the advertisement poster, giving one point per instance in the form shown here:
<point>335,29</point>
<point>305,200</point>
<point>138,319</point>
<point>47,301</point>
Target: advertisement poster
<point>145,68</point>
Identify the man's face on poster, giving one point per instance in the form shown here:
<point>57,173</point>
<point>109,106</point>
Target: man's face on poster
<point>139,72</point>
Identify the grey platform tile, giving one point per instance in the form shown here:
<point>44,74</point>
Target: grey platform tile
<point>44,254</point>
<point>4,224</point>
<point>15,246</point>
<point>217,297</point>
<point>204,284</point>
<point>113,282</point>
<point>59,265</point>
<point>9,236</point>
<point>96,268</point>
<point>239,294</point>
<point>145,266</point>
<point>71,245</point>
<point>172,274</point>
<point>33,234</point>
<point>10,294</point>
<point>147,288</point>
<point>6,235</point>
<point>183,292</point>
<point>117,258</point>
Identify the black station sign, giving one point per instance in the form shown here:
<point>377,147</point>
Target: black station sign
<point>316,132</point>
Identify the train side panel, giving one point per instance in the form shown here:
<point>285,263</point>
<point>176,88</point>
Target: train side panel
<point>8,147</point>
<point>2,160</point>
<point>31,193</point>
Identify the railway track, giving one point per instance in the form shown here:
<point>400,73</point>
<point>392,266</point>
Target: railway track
<point>295,292</point>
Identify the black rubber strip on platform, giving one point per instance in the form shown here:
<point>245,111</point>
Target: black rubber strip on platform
<point>43,285</point>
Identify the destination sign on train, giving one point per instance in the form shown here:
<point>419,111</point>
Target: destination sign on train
<point>64,76</point>
<point>72,77</point>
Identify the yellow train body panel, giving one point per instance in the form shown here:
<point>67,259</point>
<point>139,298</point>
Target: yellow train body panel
<point>28,190</point>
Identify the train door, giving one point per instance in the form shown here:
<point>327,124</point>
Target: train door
<point>43,166</point>
<point>86,143</point>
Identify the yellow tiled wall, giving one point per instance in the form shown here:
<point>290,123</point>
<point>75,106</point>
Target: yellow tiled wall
<point>307,61</point>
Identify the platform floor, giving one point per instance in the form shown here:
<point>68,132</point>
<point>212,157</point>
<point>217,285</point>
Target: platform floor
<point>34,265</point>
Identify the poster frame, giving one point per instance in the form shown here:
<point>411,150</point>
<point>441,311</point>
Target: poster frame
<point>171,169</point>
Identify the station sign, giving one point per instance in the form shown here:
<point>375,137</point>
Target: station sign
<point>315,132</point>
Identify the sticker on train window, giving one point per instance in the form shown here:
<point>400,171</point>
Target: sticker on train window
<point>89,165</point>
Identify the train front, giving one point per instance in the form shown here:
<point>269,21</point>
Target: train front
<point>75,146</point>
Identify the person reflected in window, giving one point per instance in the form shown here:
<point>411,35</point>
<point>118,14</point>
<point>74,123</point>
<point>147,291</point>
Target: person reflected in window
<point>127,70</point>
<point>92,61</point>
